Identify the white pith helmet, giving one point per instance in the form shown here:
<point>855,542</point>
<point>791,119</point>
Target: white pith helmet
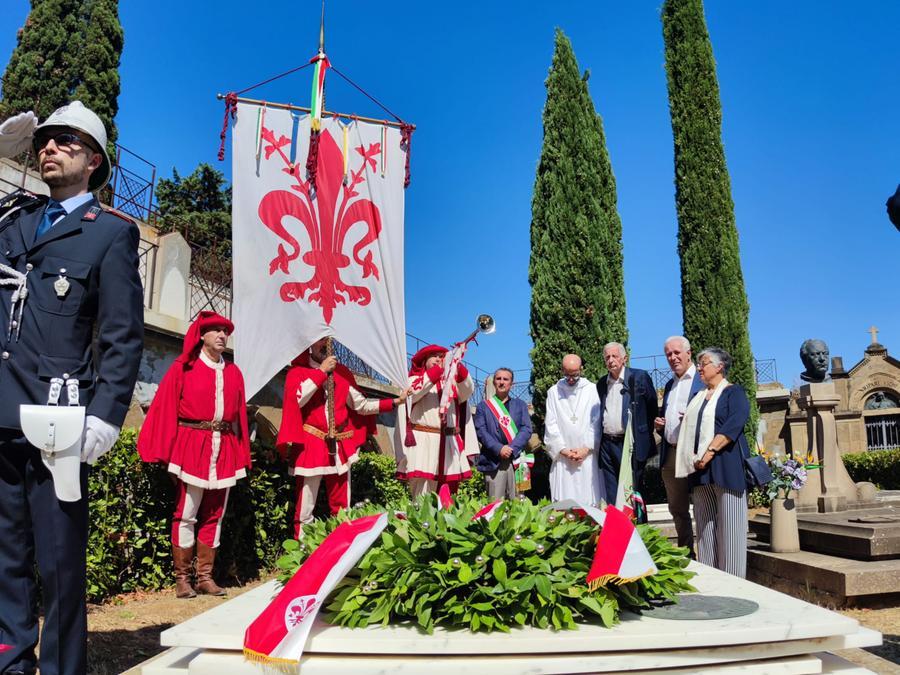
<point>76,116</point>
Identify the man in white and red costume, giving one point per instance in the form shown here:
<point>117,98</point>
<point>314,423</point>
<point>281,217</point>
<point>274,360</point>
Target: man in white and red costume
<point>433,453</point>
<point>197,426</point>
<point>303,436</point>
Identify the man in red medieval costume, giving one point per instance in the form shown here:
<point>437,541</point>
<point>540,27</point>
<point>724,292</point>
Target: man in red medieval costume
<point>197,426</point>
<point>303,437</point>
<point>434,453</point>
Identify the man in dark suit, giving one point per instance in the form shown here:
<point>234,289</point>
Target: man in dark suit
<point>67,268</point>
<point>624,389</point>
<point>676,396</point>
<point>503,426</point>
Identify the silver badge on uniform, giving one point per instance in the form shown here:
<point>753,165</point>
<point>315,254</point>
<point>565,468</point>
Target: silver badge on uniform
<point>62,284</point>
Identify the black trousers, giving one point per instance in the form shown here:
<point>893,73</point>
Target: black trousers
<point>35,527</point>
<point>611,462</point>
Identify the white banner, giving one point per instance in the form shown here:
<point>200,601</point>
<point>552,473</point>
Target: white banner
<point>312,263</point>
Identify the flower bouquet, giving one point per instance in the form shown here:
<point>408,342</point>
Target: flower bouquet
<point>787,475</point>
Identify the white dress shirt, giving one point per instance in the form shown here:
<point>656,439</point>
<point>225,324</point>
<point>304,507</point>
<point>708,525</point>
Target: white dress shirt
<point>612,416</point>
<point>676,404</point>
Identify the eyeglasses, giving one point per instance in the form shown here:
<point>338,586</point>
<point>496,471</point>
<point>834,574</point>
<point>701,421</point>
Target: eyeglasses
<point>63,139</point>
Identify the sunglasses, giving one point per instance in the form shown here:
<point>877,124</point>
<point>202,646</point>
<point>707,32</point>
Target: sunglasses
<point>63,139</point>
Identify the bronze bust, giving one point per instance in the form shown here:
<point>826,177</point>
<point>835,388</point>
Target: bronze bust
<point>814,354</point>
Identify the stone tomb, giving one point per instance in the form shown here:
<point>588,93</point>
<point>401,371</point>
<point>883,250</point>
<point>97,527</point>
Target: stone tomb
<point>784,635</point>
<point>845,533</point>
<point>860,534</point>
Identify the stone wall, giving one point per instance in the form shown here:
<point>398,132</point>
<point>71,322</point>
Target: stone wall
<point>13,177</point>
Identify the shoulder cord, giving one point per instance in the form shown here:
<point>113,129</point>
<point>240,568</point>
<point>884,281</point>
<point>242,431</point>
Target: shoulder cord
<point>17,280</point>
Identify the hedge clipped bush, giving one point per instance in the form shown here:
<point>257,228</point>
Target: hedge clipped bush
<point>131,503</point>
<point>881,467</point>
<point>130,507</point>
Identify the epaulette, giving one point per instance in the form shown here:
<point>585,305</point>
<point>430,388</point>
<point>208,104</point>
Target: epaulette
<point>18,200</point>
<point>111,211</point>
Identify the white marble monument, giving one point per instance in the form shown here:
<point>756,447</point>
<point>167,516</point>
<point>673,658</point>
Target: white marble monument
<point>785,635</point>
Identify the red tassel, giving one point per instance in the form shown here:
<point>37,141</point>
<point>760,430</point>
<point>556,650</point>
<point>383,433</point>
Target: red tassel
<point>406,131</point>
<point>410,440</point>
<point>230,107</point>
<point>312,158</point>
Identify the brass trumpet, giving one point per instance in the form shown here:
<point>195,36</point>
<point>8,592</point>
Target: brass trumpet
<point>483,324</point>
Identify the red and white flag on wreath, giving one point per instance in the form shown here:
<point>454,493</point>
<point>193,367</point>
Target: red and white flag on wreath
<point>621,554</point>
<point>445,499</point>
<point>279,634</point>
<point>488,511</point>
<point>316,260</point>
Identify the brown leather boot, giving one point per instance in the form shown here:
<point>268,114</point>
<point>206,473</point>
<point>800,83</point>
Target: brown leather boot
<point>183,558</point>
<point>206,557</point>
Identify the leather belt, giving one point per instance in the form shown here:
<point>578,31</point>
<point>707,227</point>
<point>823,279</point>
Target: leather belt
<point>221,426</point>
<point>447,431</point>
<point>323,435</point>
<point>614,437</point>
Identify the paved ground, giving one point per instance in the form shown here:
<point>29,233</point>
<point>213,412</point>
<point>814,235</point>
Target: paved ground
<point>125,632</point>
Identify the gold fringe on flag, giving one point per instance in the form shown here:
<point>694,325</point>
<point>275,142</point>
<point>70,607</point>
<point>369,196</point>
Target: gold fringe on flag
<point>290,666</point>
<point>606,579</point>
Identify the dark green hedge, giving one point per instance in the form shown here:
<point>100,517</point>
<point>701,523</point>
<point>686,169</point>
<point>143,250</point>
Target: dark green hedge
<point>131,509</point>
<point>881,467</point>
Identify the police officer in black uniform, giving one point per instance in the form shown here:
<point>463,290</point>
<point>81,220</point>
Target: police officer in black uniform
<point>67,269</point>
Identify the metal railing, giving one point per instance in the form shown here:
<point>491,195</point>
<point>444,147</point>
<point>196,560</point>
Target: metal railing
<point>660,373</point>
<point>130,190</point>
<point>147,268</point>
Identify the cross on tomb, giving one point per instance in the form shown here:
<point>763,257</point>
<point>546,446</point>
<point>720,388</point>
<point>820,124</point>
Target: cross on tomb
<point>874,332</point>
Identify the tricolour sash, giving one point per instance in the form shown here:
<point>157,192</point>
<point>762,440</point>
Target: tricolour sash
<point>504,419</point>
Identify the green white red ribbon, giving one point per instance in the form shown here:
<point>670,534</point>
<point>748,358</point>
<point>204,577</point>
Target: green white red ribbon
<point>317,104</point>
<point>504,419</point>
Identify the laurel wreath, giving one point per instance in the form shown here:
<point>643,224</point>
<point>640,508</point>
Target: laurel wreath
<point>524,567</point>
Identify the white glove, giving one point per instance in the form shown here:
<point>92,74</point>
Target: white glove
<point>99,437</point>
<point>16,134</point>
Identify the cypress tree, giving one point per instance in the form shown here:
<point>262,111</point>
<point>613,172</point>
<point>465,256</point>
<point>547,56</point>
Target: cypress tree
<point>98,70</point>
<point>578,298</point>
<point>42,71</point>
<point>713,300</point>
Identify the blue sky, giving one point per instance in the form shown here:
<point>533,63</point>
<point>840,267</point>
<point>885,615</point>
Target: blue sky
<point>811,113</point>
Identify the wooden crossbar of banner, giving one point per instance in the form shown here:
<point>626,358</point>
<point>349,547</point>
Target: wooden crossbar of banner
<point>325,113</point>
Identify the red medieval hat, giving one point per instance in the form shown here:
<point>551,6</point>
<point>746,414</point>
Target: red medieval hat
<point>205,321</point>
<point>417,366</point>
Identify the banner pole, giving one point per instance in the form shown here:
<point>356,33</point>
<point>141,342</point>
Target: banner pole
<point>329,395</point>
<point>325,113</point>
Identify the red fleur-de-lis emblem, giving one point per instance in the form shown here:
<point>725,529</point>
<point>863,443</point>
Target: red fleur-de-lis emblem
<point>298,609</point>
<point>504,420</point>
<point>328,215</point>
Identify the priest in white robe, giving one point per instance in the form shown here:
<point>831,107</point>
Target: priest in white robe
<point>572,436</point>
